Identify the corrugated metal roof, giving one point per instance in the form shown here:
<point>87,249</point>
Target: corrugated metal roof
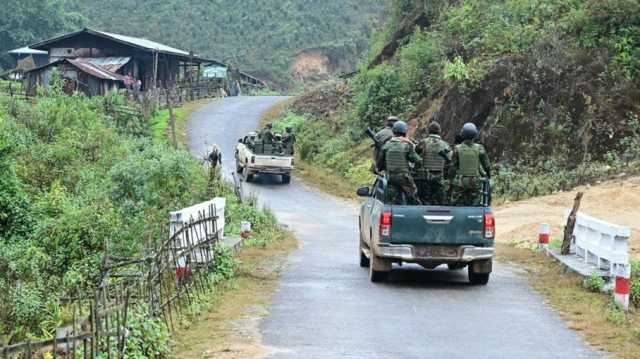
<point>112,64</point>
<point>148,44</point>
<point>27,50</point>
<point>94,70</point>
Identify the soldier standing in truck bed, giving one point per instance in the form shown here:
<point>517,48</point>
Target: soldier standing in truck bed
<point>394,158</point>
<point>430,172</point>
<point>470,168</point>
<point>382,136</point>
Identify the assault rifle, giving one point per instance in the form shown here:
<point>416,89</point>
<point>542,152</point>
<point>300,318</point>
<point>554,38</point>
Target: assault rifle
<point>369,132</point>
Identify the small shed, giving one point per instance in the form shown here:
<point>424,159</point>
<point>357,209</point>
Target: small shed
<point>27,58</point>
<point>81,75</point>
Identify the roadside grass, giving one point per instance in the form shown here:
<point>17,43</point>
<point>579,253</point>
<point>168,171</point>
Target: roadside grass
<point>604,326</point>
<point>274,113</point>
<point>226,324</point>
<point>325,180</point>
<point>160,122</point>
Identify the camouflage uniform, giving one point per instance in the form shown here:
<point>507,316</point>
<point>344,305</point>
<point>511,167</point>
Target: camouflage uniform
<point>430,173</point>
<point>268,141</point>
<point>382,137</point>
<point>470,166</point>
<point>289,141</point>
<point>394,158</point>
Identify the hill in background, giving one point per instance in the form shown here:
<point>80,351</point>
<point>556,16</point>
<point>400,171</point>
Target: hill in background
<point>277,40</point>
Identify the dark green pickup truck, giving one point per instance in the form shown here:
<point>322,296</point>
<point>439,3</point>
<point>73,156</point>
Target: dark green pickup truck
<point>427,235</point>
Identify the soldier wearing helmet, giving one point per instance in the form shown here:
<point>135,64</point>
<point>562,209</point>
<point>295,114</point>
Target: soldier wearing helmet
<point>289,141</point>
<point>268,139</point>
<point>430,172</point>
<point>470,166</point>
<point>394,158</point>
<point>384,135</point>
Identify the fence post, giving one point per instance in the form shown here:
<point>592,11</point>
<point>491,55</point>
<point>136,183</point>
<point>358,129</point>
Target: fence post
<point>623,286</point>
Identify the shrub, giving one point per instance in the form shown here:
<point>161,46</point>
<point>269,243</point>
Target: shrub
<point>380,92</point>
<point>595,283</point>
<point>635,283</point>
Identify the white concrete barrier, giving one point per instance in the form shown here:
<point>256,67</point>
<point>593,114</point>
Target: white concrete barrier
<point>198,233</point>
<point>605,246</point>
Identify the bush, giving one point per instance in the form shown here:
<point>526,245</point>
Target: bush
<point>381,92</point>
<point>595,283</point>
<point>75,181</point>
<point>635,283</point>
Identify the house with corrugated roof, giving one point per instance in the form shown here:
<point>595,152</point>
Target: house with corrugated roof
<point>95,62</point>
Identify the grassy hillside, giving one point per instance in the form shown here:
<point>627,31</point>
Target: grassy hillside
<point>553,85</point>
<point>261,36</point>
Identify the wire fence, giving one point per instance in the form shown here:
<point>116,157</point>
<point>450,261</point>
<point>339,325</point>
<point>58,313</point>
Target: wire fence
<point>176,273</point>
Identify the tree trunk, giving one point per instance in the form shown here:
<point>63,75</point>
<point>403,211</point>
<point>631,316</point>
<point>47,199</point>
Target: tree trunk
<point>571,223</point>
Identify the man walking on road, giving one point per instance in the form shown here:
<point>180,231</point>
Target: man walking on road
<point>469,169</point>
<point>395,157</point>
<point>430,173</point>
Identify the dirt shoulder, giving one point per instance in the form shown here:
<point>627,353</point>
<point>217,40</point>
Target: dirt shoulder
<point>616,201</point>
<point>230,329</point>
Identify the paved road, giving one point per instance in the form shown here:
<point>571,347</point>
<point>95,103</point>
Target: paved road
<point>326,307</point>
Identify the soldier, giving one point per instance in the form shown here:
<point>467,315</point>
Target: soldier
<point>470,166</point>
<point>383,136</point>
<point>289,141</point>
<point>395,157</point>
<point>430,173</point>
<point>268,138</point>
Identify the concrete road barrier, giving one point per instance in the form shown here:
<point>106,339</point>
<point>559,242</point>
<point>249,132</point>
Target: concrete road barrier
<point>198,234</point>
<point>605,246</point>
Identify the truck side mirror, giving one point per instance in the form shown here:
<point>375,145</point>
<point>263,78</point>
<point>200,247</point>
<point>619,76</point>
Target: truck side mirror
<point>363,192</point>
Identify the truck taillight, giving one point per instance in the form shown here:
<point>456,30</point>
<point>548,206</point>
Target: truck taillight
<point>489,226</point>
<point>253,159</point>
<point>386,219</point>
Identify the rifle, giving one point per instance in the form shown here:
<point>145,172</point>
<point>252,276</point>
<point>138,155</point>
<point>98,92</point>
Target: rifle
<point>369,132</point>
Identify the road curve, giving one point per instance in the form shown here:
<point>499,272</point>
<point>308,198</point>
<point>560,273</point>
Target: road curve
<point>326,307</point>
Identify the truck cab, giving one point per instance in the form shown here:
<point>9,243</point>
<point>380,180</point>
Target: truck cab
<point>427,235</point>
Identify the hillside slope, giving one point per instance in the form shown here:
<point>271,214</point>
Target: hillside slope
<point>552,85</point>
<point>264,37</point>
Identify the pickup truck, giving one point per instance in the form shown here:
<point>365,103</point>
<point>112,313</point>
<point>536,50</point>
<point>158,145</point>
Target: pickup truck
<point>252,159</point>
<point>427,235</point>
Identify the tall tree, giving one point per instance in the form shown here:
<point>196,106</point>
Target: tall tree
<point>26,21</point>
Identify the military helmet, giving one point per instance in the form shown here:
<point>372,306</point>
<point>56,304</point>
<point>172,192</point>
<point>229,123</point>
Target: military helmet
<point>434,128</point>
<point>269,125</point>
<point>469,131</point>
<point>400,128</point>
<point>392,119</point>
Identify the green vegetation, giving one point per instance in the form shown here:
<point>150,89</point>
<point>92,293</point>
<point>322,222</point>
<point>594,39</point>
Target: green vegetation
<point>76,182</point>
<point>24,22</point>
<point>595,283</point>
<point>635,283</point>
<point>551,83</point>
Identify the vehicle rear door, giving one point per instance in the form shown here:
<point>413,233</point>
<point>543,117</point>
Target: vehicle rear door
<point>438,225</point>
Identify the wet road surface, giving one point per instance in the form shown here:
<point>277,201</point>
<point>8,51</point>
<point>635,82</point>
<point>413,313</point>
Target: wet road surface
<point>327,308</point>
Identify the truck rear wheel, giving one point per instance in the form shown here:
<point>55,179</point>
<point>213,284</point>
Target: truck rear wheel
<point>364,260</point>
<point>286,179</point>
<point>479,272</point>
<point>248,177</point>
<point>379,269</point>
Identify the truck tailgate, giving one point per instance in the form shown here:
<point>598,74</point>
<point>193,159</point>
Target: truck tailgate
<point>272,161</point>
<point>437,225</point>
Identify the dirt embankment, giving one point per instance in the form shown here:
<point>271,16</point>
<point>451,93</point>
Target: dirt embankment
<point>616,201</point>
